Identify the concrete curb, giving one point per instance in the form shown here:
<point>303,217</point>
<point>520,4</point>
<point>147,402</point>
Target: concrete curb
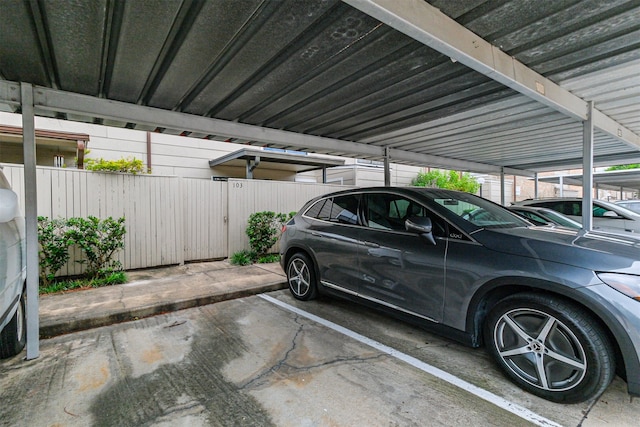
<point>55,327</point>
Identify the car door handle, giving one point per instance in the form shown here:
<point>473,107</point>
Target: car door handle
<point>368,278</point>
<point>371,245</point>
<point>313,233</point>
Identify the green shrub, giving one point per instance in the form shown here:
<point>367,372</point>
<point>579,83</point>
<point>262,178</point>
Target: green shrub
<point>115,278</point>
<point>264,230</point>
<point>266,259</point>
<point>54,243</point>
<point>128,165</point>
<point>99,241</point>
<point>242,257</point>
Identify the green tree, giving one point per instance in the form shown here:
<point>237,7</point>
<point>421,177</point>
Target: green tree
<point>450,180</point>
<point>624,167</point>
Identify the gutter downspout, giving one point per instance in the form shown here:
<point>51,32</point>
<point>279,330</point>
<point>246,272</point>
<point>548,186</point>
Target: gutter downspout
<point>148,152</point>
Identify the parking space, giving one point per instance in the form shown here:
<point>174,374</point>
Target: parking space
<point>254,361</point>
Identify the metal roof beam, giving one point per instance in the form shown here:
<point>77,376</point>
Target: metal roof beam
<point>46,100</point>
<point>426,24</point>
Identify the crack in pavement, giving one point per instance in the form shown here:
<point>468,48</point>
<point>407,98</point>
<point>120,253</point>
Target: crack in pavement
<point>257,381</point>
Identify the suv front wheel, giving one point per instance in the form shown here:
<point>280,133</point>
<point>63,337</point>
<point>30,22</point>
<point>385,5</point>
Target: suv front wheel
<point>550,347</point>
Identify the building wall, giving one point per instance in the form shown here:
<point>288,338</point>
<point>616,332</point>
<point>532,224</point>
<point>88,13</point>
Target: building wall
<point>170,154</point>
<point>13,153</point>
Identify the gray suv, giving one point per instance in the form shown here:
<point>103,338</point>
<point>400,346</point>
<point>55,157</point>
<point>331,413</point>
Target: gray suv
<point>557,308</point>
<point>12,272</point>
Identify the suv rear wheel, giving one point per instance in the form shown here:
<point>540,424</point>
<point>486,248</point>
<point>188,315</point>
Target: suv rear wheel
<point>301,277</point>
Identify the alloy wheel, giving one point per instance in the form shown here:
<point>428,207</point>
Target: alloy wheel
<point>540,349</point>
<point>299,277</point>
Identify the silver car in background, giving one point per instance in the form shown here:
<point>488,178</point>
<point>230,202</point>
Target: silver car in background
<point>557,308</point>
<point>606,215</point>
<point>544,216</point>
<point>12,272</point>
<point>632,205</point>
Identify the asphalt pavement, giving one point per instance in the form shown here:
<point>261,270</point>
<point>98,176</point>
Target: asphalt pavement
<point>154,291</point>
<point>258,361</point>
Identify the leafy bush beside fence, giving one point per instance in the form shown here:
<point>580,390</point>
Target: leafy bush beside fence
<point>54,247</point>
<point>263,230</point>
<point>99,241</point>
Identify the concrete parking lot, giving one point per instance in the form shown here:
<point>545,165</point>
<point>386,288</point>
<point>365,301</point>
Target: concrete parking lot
<point>252,362</point>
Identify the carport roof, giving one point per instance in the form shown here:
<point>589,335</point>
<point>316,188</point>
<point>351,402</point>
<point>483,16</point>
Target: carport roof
<point>279,160</point>
<point>472,85</point>
<point>627,179</point>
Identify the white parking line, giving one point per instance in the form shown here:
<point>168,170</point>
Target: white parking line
<point>425,367</point>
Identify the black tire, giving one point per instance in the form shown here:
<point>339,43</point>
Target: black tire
<point>301,277</point>
<point>550,347</point>
<point>14,335</point>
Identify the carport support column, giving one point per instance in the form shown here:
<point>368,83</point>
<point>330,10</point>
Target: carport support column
<point>251,166</point>
<point>587,171</point>
<point>31,217</point>
<point>387,168</point>
<point>535,186</point>
<point>502,187</point>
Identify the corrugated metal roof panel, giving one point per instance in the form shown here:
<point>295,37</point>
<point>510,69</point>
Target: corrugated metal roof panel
<point>323,68</point>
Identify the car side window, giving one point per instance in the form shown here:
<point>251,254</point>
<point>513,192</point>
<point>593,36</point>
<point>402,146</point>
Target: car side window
<point>342,209</point>
<point>600,211</point>
<point>389,212</point>
<point>384,212</point>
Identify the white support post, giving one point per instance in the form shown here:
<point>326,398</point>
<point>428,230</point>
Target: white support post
<point>387,168</point>
<point>502,187</point>
<point>587,172</point>
<point>561,185</point>
<point>535,186</point>
<point>31,217</point>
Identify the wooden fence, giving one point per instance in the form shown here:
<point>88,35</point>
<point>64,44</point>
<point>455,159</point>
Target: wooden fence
<point>169,220</point>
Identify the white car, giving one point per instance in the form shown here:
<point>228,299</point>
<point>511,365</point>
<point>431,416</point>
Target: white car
<point>606,216</point>
<point>12,272</point>
<point>632,205</point>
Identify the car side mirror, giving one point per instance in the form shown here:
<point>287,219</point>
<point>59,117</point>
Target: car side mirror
<point>610,214</point>
<point>421,225</point>
<point>8,205</point>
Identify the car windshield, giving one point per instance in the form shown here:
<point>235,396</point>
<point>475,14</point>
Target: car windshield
<point>478,211</point>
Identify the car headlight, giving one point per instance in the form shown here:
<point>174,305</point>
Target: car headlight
<point>628,284</point>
